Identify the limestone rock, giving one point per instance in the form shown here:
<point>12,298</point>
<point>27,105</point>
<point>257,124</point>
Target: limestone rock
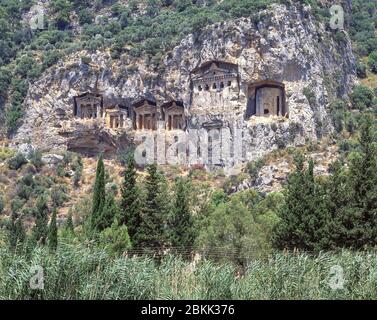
<point>52,159</point>
<point>284,44</point>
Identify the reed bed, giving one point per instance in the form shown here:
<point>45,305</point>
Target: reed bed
<point>79,272</point>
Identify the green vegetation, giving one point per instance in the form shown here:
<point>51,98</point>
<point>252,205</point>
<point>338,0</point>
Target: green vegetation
<point>181,221</point>
<point>337,212</point>
<point>79,272</point>
<point>130,204</point>
<point>53,232</point>
<point>99,218</point>
<point>372,61</point>
<point>6,153</point>
<point>148,29</point>
<point>142,242</point>
<point>231,233</point>
<point>362,97</point>
<point>155,212</point>
<point>17,161</point>
<point>40,229</point>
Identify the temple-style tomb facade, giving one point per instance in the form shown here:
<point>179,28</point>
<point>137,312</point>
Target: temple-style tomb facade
<point>115,118</point>
<point>215,86</point>
<point>88,106</point>
<point>173,115</point>
<point>218,106</point>
<point>146,115</point>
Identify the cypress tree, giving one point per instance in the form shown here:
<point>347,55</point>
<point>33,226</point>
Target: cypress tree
<point>109,212</point>
<point>53,231</point>
<point>98,194</point>
<point>338,207</point>
<point>17,233</point>
<point>151,233</point>
<point>303,215</point>
<point>130,204</point>
<point>181,224</point>
<point>362,224</point>
<point>40,229</point>
<point>69,223</point>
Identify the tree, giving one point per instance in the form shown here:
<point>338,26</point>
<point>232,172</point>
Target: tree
<point>181,224</point>
<point>337,199</point>
<point>16,230</point>
<point>232,230</point>
<point>362,97</point>
<point>130,203</point>
<point>109,211</point>
<point>151,233</point>
<point>115,238</point>
<point>77,167</point>
<point>361,70</point>
<point>98,194</point>
<point>372,61</point>
<point>303,216</point>
<point>53,231</point>
<point>69,226</point>
<point>363,188</point>
<point>40,229</point>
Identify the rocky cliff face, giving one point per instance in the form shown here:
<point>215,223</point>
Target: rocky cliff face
<point>282,44</point>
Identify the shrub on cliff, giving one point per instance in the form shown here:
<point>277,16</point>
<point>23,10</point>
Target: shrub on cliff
<point>17,161</point>
<point>372,61</point>
<point>362,97</point>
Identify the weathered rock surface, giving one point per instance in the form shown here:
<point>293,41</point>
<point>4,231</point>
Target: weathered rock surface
<point>283,44</point>
<point>52,159</point>
<point>272,177</point>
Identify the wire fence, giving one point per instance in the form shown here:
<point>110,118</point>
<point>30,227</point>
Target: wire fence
<point>220,253</point>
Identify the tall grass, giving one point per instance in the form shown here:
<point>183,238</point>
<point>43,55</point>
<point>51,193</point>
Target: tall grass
<point>79,272</point>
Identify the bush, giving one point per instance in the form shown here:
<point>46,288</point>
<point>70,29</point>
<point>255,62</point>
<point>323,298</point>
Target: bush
<point>115,239</point>
<point>254,167</point>
<point>6,153</point>
<point>58,195</point>
<point>361,70</point>
<point>17,161</point>
<point>372,61</point>
<point>362,97</point>
<point>12,117</point>
<point>77,166</point>
<point>51,58</point>
<point>309,94</point>
<point>86,60</point>
<point>26,186</point>
<point>337,111</point>
<point>35,157</point>
<point>346,146</point>
<point>60,170</point>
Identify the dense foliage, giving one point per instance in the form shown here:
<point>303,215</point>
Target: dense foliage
<point>148,29</point>
<point>152,216</point>
<point>79,272</point>
<point>336,212</point>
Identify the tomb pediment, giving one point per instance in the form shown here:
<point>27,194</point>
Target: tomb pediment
<point>87,105</point>
<point>213,124</point>
<point>144,102</point>
<point>215,69</point>
<point>173,106</point>
<point>88,96</point>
